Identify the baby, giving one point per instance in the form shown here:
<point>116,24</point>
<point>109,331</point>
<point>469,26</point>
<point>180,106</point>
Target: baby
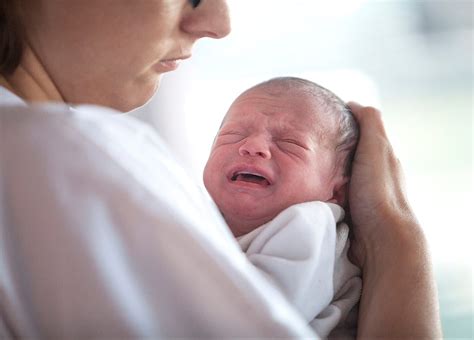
<point>278,171</point>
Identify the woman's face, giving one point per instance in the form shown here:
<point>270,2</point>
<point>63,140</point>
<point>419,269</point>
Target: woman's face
<point>113,52</point>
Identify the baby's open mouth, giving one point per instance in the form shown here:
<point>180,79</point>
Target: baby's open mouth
<point>250,178</point>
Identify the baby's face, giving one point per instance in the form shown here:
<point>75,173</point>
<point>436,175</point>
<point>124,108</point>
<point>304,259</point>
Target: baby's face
<point>271,152</point>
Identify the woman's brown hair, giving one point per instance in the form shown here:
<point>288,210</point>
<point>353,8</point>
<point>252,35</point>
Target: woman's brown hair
<point>11,36</point>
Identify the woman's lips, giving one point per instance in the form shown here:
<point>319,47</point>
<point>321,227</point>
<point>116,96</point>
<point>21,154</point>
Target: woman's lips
<point>167,65</point>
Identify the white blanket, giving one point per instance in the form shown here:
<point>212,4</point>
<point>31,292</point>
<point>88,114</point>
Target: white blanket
<point>305,255</point>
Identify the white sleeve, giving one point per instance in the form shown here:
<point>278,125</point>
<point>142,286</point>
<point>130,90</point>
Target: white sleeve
<point>97,241</point>
<point>296,251</point>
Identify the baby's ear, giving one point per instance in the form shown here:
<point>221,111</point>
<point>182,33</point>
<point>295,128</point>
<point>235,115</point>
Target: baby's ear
<point>339,193</point>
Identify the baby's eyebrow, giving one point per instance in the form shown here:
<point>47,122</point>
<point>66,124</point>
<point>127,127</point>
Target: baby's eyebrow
<point>268,112</point>
<point>293,130</point>
<point>228,132</point>
<point>229,126</point>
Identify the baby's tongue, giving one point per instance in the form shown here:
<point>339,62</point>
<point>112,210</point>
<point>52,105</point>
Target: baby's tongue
<point>252,179</point>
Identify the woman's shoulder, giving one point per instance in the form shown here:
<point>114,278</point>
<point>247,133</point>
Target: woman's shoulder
<point>59,138</point>
<point>57,130</point>
<point>20,115</point>
<point>92,140</point>
<point>97,150</point>
<point>53,121</point>
<point>55,125</point>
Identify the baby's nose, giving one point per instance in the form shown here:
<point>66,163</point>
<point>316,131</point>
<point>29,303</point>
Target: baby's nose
<point>255,147</point>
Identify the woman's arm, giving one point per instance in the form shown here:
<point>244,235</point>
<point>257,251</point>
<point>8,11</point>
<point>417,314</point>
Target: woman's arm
<point>102,235</point>
<point>399,298</point>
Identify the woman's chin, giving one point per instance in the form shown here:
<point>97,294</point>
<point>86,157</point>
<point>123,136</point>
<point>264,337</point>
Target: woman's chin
<point>136,98</point>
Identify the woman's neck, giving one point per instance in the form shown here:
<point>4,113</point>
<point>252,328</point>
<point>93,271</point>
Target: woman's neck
<point>31,82</point>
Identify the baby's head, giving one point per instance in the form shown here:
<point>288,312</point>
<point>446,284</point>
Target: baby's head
<point>282,142</point>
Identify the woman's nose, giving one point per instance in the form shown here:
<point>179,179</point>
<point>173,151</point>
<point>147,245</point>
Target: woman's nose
<point>255,147</point>
<point>209,19</point>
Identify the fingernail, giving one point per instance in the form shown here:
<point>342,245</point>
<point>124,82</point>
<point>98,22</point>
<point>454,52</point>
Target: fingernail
<point>354,104</point>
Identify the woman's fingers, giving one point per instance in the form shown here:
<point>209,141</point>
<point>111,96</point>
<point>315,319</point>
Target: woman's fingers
<point>368,117</point>
<point>376,194</point>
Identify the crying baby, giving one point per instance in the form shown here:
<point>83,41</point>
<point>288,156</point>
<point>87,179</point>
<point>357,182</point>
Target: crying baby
<point>278,171</point>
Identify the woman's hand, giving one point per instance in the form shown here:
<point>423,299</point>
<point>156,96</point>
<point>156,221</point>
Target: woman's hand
<point>377,197</point>
<point>399,297</point>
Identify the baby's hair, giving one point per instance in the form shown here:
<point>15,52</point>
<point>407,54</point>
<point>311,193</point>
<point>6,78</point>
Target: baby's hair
<point>347,135</point>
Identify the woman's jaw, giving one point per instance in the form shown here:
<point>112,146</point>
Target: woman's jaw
<point>110,55</point>
<point>31,82</point>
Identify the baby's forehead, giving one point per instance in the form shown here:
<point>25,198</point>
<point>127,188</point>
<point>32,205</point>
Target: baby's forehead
<point>287,109</point>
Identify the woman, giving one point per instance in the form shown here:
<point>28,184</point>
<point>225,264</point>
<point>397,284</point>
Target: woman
<point>103,235</point>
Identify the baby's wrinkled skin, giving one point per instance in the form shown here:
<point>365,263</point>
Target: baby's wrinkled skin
<point>274,149</point>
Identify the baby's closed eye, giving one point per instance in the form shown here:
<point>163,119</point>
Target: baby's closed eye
<point>291,145</point>
<point>229,137</point>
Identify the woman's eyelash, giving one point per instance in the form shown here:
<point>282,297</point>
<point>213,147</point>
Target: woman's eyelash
<point>195,3</point>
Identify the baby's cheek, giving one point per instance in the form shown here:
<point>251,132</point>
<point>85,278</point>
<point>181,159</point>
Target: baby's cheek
<point>311,187</point>
<point>207,177</point>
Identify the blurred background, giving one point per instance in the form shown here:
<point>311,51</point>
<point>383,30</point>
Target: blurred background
<point>411,58</point>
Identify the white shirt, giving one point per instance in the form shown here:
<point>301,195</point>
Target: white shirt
<point>103,235</point>
<point>304,253</point>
